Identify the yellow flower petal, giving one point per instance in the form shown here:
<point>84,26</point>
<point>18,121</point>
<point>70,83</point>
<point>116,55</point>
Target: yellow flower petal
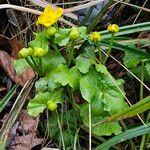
<point>50,16</point>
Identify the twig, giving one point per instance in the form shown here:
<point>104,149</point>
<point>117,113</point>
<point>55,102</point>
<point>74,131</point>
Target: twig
<point>139,12</point>
<point>135,6</point>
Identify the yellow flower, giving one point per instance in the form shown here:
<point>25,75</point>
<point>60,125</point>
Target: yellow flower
<point>39,52</point>
<point>95,36</point>
<point>49,16</point>
<point>113,28</point>
<point>25,52</point>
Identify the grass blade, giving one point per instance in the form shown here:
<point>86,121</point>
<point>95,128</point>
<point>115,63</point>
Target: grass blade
<point>129,29</point>
<point>14,112</point>
<point>6,99</point>
<point>125,48</point>
<point>129,134</point>
<point>135,109</point>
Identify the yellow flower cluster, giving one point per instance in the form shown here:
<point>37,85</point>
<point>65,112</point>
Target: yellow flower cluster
<point>95,36</point>
<point>49,16</point>
<point>113,28</point>
<point>37,52</point>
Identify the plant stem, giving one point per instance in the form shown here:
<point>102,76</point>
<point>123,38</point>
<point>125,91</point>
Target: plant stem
<point>41,67</point>
<point>31,65</point>
<point>59,126</point>
<point>142,79</point>
<point>75,139</point>
<point>110,47</point>
<point>141,97</point>
<point>38,67</point>
<point>71,54</point>
<point>100,54</point>
<point>90,128</point>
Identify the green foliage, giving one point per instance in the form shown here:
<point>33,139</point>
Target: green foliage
<point>129,134</point>
<point>8,96</point>
<point>62,37</point>
<point>40,41</point>
<point>39,103</point>
<point>131,60</point>
<point>52,60</point>
<point>71,69</point>
<point>86,59</point>
<point>100,91</point>
<point>68,127</point>
<point>20,65</point>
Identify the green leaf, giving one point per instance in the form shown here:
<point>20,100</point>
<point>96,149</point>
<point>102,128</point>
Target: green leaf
<point>52,60</point>
<point>62,37</point>
<point>41,85</point>
<point>99,87</point>
<point>101,68</point>
<point>104,97</point>
<point>39,103</point>
<point>40,41</point>
<point>64,76</point>
<point>20,65</point>
<point>98,113</point>
<point>147,66</point>
<point>83,31</point>
<point>137,72</point>
<point>131,60</point>
<point>51,84</point>
<point>135,109</point>
<point>129,134</point>
<point>85,60</point>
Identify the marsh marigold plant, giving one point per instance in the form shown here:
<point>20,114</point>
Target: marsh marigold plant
<point>49,16</point>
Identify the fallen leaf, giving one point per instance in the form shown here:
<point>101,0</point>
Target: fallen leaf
<point>27,122</point>
<point>6,62</point>
<point>15,46</point>
<point>25,142</point>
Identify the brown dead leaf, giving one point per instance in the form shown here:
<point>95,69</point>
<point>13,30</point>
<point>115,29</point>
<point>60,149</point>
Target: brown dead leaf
<point>25,142</point>
<point>15,46</point>
<point>27,122</point>
<point>6,62</point>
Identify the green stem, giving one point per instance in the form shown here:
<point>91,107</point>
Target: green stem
<point>42,69</point>
<point>110,47</point>
<point>38,68</point>
<point>71,54</point>
<point>141,97</point>
<point>31,65</point>
<point>100,54</point>
<point>90,128</point>
<point>75,140</point>
<point>142,79</point>
<point>60,129</point>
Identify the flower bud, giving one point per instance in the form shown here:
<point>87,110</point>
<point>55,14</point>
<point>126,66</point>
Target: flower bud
<point>25,52</point>
<point>51,31</point>
<point>95,36</point>
<point>51,105</point>
<point>74,34</point>
<point>39,52</point>
<point>113,28</point>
